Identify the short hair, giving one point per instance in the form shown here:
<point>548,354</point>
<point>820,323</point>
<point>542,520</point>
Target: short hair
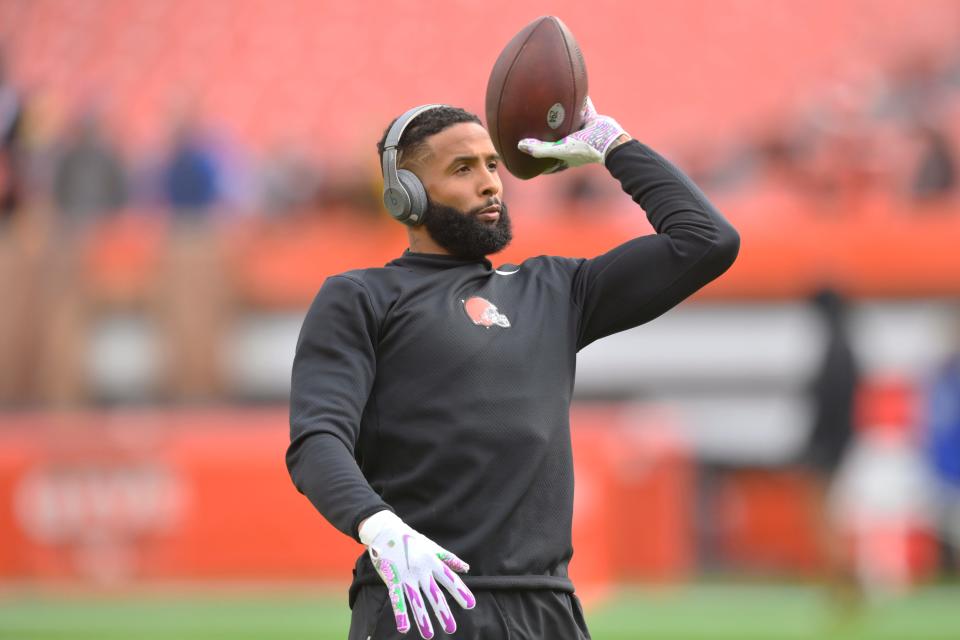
<point>426,124</point>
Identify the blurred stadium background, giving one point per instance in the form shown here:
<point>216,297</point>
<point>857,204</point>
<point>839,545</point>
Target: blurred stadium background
<point>177,177</point>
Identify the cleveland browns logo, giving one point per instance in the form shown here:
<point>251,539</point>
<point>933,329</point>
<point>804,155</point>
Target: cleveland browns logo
<point>484,313</point>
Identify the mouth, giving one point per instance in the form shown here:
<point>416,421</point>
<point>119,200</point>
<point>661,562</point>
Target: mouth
<point>489,214</point>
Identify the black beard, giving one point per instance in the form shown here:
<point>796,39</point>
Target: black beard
<point>463,235</point>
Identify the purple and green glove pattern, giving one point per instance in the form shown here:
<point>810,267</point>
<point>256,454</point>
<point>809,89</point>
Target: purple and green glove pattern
<point>414,567</point>
<point>589,144</point>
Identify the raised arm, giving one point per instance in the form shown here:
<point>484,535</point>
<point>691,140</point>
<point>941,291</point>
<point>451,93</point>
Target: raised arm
<point>641,279</point>
<point>644,277</point>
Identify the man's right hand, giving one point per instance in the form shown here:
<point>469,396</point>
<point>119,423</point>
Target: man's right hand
<point>411,565</point>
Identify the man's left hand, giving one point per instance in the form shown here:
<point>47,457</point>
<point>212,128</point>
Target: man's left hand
<point>591,143</point>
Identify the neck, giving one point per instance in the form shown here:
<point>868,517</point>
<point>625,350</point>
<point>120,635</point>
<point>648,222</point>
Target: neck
<point>421,242</point>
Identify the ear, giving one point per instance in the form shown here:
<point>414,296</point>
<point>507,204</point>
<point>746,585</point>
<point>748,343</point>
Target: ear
<point>417,195</point>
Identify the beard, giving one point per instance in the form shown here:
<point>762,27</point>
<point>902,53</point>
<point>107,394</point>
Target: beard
<point>463,235</point>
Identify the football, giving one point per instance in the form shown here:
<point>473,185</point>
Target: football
<point>537,89</point>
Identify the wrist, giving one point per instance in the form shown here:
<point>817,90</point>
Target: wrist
<point>619,140</point>
<point>371,527</point>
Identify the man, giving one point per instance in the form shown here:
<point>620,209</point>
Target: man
<point>832,393</point>
<point>430,400</point>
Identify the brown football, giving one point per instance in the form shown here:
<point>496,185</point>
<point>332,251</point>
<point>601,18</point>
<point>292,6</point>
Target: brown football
<point>536,90</point>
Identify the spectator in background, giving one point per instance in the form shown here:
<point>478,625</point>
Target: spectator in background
<point>89,177</point>
<point>193,295</point>
<point>832,393</point>
<point>935,175</point>
<point>89,183</point>
<point>942,449</point>
<point>191,175</point>
<point>832,388</point>
<point>11,119</point>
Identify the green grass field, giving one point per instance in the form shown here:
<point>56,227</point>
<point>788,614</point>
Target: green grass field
<point>761,612</point>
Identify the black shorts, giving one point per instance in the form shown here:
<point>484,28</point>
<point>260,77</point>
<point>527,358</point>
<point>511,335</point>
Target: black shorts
<point>499,615</point>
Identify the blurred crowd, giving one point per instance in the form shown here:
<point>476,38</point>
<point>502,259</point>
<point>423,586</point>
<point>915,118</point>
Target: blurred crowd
<point>83,173</point>
<point>873,133</point>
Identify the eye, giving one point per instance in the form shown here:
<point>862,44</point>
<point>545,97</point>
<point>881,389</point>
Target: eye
<point>492,165</point>
<point>463,168</point>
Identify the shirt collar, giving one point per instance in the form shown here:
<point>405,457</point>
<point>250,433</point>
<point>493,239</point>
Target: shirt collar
<point>436,261</point>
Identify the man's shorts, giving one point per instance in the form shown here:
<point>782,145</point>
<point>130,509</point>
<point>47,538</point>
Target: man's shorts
<point>499,615</point>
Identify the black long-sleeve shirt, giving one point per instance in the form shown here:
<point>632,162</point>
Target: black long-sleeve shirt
<point>440,388</point>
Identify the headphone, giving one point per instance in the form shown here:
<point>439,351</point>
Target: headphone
<point>403,194</point>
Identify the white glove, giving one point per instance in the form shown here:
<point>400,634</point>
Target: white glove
<point>588,144</point>
<point>410,563</point>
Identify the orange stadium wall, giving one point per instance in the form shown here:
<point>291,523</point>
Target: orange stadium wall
<point>111,498</point>
<point>786,252</point>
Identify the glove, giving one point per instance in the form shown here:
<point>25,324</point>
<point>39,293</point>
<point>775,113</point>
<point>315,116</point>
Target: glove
<point>588,144</point>
<point>410,563</point>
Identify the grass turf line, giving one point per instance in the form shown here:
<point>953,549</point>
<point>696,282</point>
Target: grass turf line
<point>696,612</point>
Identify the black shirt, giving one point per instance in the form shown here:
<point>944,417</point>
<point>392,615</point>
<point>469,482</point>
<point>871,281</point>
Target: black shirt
<point>440,388</point>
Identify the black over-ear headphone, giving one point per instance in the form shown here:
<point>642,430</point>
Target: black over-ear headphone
<point>403,193</point>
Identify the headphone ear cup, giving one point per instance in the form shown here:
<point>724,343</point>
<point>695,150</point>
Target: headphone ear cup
<point>418,196</point>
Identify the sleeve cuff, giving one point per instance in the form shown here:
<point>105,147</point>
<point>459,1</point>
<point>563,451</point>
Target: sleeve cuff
<point>613,152</point>
<point>373,525</point>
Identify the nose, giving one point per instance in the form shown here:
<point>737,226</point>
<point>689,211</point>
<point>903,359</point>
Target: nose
<point>490,184</point>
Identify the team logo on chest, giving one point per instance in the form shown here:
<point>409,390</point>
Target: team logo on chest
<point>484,313</point>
